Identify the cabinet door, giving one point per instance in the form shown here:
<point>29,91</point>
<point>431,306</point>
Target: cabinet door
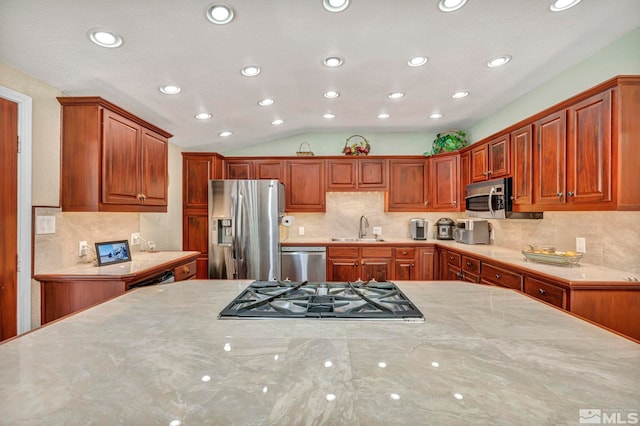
<point>372,174</point>
<point>499,159</point>
<point>342,270</point>
<point>546,291</point>
<point>443,181</point>
<point>154,174</point>
<point>195,237</point>
<point>196,172</point>
<point>375,269</point>
<point>341,174</point>
<point>427,262</point>
<point>522,189</point>
<point>407,185</point>
<point>305,186</point>
<point>589,151</point>
<point>405,269</point>
<point>550,159</point>
<point>479,163</point>
<point>268,169</point>
<point>120,160</point>
<point>465,176</point>
<point>239,169</point>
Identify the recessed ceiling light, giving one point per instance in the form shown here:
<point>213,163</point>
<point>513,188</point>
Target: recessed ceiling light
<point>331,94</point>
<point>170,89</point>
<point>451,5</point>
<point>203,116</point>
<point>328,116</point>
<point>226,133</point>
<point>395,95</point>
<point>335,5</point>
<point>436,115</point>
<point>266,102</point>
<point>460,94</point>
<point>560,5</point>
<point>498,61</point>
<point>277,122</point>
<point>417,61</point>
<point>105,38</point>
<point>333,62</point>
<point>383,115</point>
<point>250,71</point>
<point>220,14</point>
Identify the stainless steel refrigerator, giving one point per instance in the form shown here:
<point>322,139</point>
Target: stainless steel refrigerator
<point>244,223</point>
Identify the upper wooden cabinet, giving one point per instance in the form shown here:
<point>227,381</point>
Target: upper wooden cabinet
<point>364,174</point>
<point>444,187</point>
<point>245,168</point>
<point>490,160</point>
<point>522,165</point>
<point>305,186</point>
<point>408,185</point>
<point>197,169</point>
<point>111,160</point>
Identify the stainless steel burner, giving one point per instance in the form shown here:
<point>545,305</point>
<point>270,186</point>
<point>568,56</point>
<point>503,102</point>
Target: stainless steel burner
<point>322,300</point>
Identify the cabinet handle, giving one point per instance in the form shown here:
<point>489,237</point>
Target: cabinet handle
<point>570,194</point>
<point>559,194</point>
<point>484,173</point>
<point>186,270</point>
<point>455,203</point>
<point>404,253</point>
<point>356,263</point>
<point>490,172</point>
<point>498,276</point>
<point>412,265</point>
<point>541,291</point>
<point>468,264</point>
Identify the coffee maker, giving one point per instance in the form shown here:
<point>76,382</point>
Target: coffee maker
<point>472,231</point>
<point>419,227</point>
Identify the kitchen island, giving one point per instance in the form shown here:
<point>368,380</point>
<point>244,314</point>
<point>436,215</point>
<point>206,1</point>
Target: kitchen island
<point>159,355</point>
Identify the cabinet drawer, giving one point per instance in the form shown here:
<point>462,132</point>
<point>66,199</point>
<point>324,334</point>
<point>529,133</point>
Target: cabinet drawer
<point>405,252</point>
<point>545,291</point>
<point>185,272</point>
<point>501,277</point>
<point>453,259</point>
<point>469,264</point>
<point>377,252</point>
<point>342,252</point>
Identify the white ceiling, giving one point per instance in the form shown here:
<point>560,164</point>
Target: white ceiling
<point>170,41</point>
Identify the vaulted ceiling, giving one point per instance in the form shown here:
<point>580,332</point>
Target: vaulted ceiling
<point>172,42</point>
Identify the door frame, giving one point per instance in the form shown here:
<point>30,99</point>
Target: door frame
<point>24,205</point>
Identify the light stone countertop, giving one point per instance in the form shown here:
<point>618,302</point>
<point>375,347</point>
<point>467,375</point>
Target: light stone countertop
<point>583,273</point>
<point>140,261</point>
<point>484,355</point>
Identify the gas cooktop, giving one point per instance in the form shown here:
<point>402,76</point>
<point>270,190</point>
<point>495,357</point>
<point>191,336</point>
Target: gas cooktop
<point>370,300</point>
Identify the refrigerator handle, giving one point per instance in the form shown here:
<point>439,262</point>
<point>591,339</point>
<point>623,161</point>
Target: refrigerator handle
<point>237,228</point>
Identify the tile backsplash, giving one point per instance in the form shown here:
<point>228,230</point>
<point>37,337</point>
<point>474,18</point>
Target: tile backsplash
<point>611,237</point>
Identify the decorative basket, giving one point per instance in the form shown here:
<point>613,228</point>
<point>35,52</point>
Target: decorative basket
<point>361,147</point>
<point>307,152</point>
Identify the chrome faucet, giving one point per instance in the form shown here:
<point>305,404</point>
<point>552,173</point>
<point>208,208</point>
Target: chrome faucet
<point>364,224</point>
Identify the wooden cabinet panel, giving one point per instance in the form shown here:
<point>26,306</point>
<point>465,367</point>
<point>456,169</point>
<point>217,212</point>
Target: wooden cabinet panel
<point>364,263</point>
<point>111,159</point>
<point>356,174</point>
<point>305,186</point>
<point>195,236</point>
<point>501,277</point>
<point>427,259</point>
<point>239,169</point>
<point>589,151</point>
<point>443,183</point>
<point>479,163</point>
<point>545,291</point>
<point>197,169</point>
<point>550,159</point>
<point>407,185</point>
<point>522,151</point>
<point>615,309</point>
<point>376,269</point>
<point>491,160</point>
<point>268,169</point>
<point>372,174</point>
<point>185,272</point>
<point>341,174</point>
<point>405,263</point>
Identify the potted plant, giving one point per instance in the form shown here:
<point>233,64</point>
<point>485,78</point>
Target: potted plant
<point>451,140</point>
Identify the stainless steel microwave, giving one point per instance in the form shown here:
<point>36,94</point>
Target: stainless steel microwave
<point>492,199</point>
<point>489,200</point>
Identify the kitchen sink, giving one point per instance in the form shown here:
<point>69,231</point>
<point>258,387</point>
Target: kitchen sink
<point>358,240</point>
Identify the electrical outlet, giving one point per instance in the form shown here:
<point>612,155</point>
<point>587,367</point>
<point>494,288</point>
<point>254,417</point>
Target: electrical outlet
<point>135,239</point>
<point>152,245</point>
<point>301,230</point>
<point>581,245</point>
<point>82,248</point>
<point>377,230</point>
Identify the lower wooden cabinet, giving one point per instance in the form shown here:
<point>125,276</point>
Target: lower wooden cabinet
<point>494,275</point>
<point>427,261</point>
<point>546,291</point>
<point>405,263</point>
<point>359,263</point>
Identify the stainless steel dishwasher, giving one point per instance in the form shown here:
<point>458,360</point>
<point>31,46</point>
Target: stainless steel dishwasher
<point>304,263</point>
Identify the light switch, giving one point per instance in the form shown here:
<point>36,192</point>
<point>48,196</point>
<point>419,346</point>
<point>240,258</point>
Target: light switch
<point>45,224</point>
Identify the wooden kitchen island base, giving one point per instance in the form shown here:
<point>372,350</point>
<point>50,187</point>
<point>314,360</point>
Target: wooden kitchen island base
<point>82,286</point>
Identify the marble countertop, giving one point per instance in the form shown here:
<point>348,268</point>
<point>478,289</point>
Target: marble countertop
<point>159,355</point>
<point>140,262</point>
<point>582,273</point>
